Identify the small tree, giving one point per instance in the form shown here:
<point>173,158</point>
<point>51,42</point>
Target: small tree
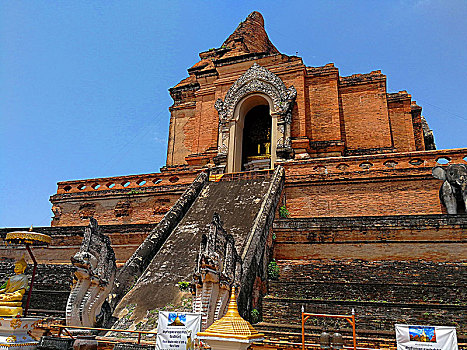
<point>283,212</point>
<point>255,316</point>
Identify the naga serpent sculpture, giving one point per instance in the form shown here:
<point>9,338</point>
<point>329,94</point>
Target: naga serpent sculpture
<point>94,275</point>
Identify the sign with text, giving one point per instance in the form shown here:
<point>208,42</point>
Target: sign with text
<point>177,330</point>
<point>425,337</point>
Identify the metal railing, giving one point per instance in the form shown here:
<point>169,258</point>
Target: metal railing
<point>65,329</point>
<point>246,175</point>
<point>348,318</point>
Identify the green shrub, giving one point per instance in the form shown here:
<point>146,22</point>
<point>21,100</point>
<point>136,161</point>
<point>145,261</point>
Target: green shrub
<point>273,270</point>
<point>184,286</point>
<point>255,316</point>
<point>283,212</point>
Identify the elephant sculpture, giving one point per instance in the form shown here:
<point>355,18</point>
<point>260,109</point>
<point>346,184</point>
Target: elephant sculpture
<point>453,191</point>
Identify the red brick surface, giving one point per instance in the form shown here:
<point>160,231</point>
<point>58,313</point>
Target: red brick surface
<point>145,198</point>
<point>401,121</point>
<point>385,184</point>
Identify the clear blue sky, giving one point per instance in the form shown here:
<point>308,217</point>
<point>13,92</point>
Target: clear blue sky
<point>83,84</point>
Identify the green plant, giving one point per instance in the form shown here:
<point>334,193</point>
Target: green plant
<point>283,212</point>
<point>186,303</point>
<point>135,279</point>
<point>273,270</point>
<point>134,192</point>
<point>168,307</point>
<point>184,286</point>
<point>130,308</point>
<point>255,316</point>
<point>273,236</point>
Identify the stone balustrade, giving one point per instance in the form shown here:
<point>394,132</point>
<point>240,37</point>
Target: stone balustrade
<point>367,164</point>
<point>319,166</point>
<point>130,182</point>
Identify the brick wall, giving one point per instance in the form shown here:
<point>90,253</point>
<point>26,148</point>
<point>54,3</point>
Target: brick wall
<point>180,135</point>
<point>391,269</point>
<point>66,241</point>
<point>132,199</point>
<point>384,184</point>
<point>401,121</point>
<point>323,102</point>
<point>419,196</point>
<point>365,113</point>
<point>382,292</point>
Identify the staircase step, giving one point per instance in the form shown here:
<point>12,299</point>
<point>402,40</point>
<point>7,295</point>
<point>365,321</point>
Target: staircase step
<point>397,272</point>
<point>367,291</point>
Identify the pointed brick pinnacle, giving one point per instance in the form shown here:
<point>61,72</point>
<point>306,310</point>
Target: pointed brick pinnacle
<point>250,36</point>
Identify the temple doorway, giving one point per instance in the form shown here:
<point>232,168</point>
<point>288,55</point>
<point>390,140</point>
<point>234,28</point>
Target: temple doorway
<point>256,145</point>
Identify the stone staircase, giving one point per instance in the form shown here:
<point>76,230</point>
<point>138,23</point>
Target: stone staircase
<point>246,204</point>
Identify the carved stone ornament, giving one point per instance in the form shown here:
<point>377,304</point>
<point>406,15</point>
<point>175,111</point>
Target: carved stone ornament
<point>218,269</point>
<point>57,210</point>
<point>223,147</point>
<point>94,277</point>
<point>258,79</point>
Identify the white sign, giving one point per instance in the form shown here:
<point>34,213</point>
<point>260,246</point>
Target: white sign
<point>177,330</point>
<point>425,337</point>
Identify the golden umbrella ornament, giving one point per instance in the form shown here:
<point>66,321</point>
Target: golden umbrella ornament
<point>29,238</point>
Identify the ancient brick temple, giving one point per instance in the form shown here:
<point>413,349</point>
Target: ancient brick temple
<point>329,176</point>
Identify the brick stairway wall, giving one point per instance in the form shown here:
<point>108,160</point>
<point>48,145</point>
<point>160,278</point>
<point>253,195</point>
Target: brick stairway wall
<point>382,293</point>
<point>408,269</point>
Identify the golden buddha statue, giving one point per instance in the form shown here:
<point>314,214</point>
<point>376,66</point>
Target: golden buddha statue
<point>12,292</point>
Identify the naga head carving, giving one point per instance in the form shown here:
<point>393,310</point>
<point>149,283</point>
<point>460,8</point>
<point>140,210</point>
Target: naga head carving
<point>84,260</point>
<point>94,262</point>
<point>95,255</point>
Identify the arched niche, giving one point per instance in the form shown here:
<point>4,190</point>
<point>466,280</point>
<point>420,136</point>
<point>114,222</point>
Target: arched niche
<point>245,106</point>
<point>257,86</point>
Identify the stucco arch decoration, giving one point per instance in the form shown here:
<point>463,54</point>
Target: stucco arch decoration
<point>257,80</point>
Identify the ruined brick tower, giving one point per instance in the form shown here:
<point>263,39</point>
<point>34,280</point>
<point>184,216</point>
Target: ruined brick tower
<point>311,112</point>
